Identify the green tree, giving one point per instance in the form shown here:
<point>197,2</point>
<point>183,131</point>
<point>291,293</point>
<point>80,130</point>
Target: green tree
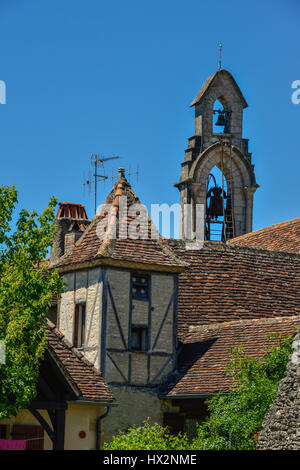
<point>26,289</point>
<point>147,437</point>
<point>235,419</point>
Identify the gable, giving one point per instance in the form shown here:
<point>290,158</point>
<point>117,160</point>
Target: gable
<point>220,80</point>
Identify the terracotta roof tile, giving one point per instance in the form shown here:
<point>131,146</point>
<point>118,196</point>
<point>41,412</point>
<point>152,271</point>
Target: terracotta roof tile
<point>284,236</point>
<point>144,250</point>
<point>205,352</point>
<point>81,372</point>
<point>226,282</point>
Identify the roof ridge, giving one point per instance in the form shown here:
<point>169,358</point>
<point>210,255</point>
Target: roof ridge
<point>248,321</point>
<point>118,188</point>
<point>249,234</point>
<point>265,251</point>
<point>208,83</point>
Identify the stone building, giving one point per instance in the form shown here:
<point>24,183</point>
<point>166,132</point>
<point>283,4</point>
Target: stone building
<point>225,149</point>
<point>120,307</point>
<point>158,316</point>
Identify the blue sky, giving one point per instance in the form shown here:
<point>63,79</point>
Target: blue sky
<point>117,77</point>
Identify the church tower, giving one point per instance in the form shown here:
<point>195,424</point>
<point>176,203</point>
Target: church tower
<point>217,172</point>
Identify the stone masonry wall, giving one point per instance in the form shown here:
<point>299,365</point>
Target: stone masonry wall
<point>134,407</point>
<point>132,375</point>
<point>281,429</point>
<point>83,286</point>
<point>144,366</point>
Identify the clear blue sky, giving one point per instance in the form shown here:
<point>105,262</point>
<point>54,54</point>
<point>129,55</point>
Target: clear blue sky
<point>117,77</point>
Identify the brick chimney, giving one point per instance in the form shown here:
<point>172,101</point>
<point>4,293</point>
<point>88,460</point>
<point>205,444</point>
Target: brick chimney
<point>70,223</point>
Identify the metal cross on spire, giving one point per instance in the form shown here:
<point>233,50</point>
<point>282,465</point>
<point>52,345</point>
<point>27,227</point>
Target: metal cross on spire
<point>220,55</point>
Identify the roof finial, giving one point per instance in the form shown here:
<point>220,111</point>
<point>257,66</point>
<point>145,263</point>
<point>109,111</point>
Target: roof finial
<point>220,56</point>
<point>121,172</point>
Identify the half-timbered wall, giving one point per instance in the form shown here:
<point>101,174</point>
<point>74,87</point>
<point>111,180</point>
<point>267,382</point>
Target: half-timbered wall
<point>86,287</point>
<point>114,314</point>
<point>121,363</point>
<point>135,374</point>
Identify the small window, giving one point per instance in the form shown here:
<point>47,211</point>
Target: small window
<point>140,286</point>
<point>79,326</point>
<point>139,338</point>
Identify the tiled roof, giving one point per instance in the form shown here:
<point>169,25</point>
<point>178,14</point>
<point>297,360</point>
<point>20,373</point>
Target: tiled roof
<point>77,368</point>
<point>143,250</point>
<point>205,352</point>
<point>279,237</point>
<point>226,282</point>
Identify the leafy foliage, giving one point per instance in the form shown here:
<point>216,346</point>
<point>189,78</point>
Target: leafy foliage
<point>26,289</point>
<point>147,437</point>
<point>235,418</point>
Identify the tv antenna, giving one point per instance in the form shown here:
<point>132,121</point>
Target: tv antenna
<point>132,173</point>
<point>97,162</point>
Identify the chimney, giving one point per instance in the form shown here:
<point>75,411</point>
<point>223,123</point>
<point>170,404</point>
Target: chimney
<point>70,223</point>
<point>70,240</point>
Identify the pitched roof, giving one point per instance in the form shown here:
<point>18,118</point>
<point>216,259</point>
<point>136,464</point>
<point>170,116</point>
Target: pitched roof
<point>227,282</point>
<point>78,370</point>
<point>209,82</point>
<point>144,250</point>
<point>205,353</point>
<point>284,236</point>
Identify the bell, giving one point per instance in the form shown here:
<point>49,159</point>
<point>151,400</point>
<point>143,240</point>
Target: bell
<point>221,121</point>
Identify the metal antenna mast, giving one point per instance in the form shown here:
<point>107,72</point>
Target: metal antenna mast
<point>98,160</point>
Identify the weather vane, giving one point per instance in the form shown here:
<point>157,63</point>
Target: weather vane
<point>220,56</point>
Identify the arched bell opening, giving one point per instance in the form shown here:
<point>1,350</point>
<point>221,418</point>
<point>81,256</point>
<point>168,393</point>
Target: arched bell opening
<point>221,117</point>
<point>219,211</point>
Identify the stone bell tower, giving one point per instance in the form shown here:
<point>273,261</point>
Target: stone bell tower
<point>228,203</point>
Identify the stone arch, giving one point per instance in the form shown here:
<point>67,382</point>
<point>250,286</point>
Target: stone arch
<point>238,177</point>
<point>223,105</point>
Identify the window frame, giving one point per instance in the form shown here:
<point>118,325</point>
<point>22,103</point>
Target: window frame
<point>79,325</point>
<point>143,339</point>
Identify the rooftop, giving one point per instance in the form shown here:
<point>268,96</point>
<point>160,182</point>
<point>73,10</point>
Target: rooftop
<point>228,282</point>
<point>206,352</point>
<point>149,252</point>
<point>82,373</point>
<point>284,236</point>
